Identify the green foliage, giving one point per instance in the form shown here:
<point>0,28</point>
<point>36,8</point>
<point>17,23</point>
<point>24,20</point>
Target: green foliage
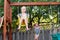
<point>1,12</point>
<point>37,14</point>
<point>1,2</point>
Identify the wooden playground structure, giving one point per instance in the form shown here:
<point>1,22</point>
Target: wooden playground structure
<point>8,13</point>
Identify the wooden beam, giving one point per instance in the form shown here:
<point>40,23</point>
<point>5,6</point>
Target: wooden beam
<point>33,3</point>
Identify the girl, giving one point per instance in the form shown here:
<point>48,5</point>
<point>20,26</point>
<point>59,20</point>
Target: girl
<point>23,16</point>
<point>37,31</point>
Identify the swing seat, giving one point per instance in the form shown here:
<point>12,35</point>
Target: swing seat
<point>23,22</point>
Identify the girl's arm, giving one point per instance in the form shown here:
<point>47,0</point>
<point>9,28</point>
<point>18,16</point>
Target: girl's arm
<point>1,21</point>
<point>19,15</point>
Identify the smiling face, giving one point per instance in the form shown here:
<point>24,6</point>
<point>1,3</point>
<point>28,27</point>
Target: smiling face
<point>36,25</point>
<point>23,9</point>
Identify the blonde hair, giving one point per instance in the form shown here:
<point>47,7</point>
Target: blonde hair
<point>23,7</point>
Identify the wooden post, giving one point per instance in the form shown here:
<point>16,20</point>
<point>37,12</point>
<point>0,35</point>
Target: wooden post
<point>7,19</point>
<point>10,27</point>
<point>4,28</point>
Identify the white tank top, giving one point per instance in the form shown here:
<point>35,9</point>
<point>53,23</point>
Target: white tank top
<point>24,15</point>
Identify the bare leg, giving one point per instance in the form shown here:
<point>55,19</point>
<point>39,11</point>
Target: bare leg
<point>20,23</point>
<point>36,37</point>
<point>26,22</point>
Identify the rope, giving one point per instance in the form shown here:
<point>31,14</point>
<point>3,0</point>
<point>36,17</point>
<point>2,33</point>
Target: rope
<point>18,7</point>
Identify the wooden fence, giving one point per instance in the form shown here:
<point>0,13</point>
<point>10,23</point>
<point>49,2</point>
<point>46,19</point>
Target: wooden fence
<point>29,35</point>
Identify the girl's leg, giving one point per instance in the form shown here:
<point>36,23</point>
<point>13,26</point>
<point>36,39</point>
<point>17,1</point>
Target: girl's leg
<point>26,22</point>
<point>36,37</point>
<point>20,23</point>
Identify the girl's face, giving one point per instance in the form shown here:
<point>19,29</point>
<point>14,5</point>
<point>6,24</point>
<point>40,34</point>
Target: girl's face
<point>23,10</point>
<point>36,25</point>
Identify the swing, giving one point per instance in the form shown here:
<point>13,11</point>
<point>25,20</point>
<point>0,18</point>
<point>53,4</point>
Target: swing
<point>23,22</point>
